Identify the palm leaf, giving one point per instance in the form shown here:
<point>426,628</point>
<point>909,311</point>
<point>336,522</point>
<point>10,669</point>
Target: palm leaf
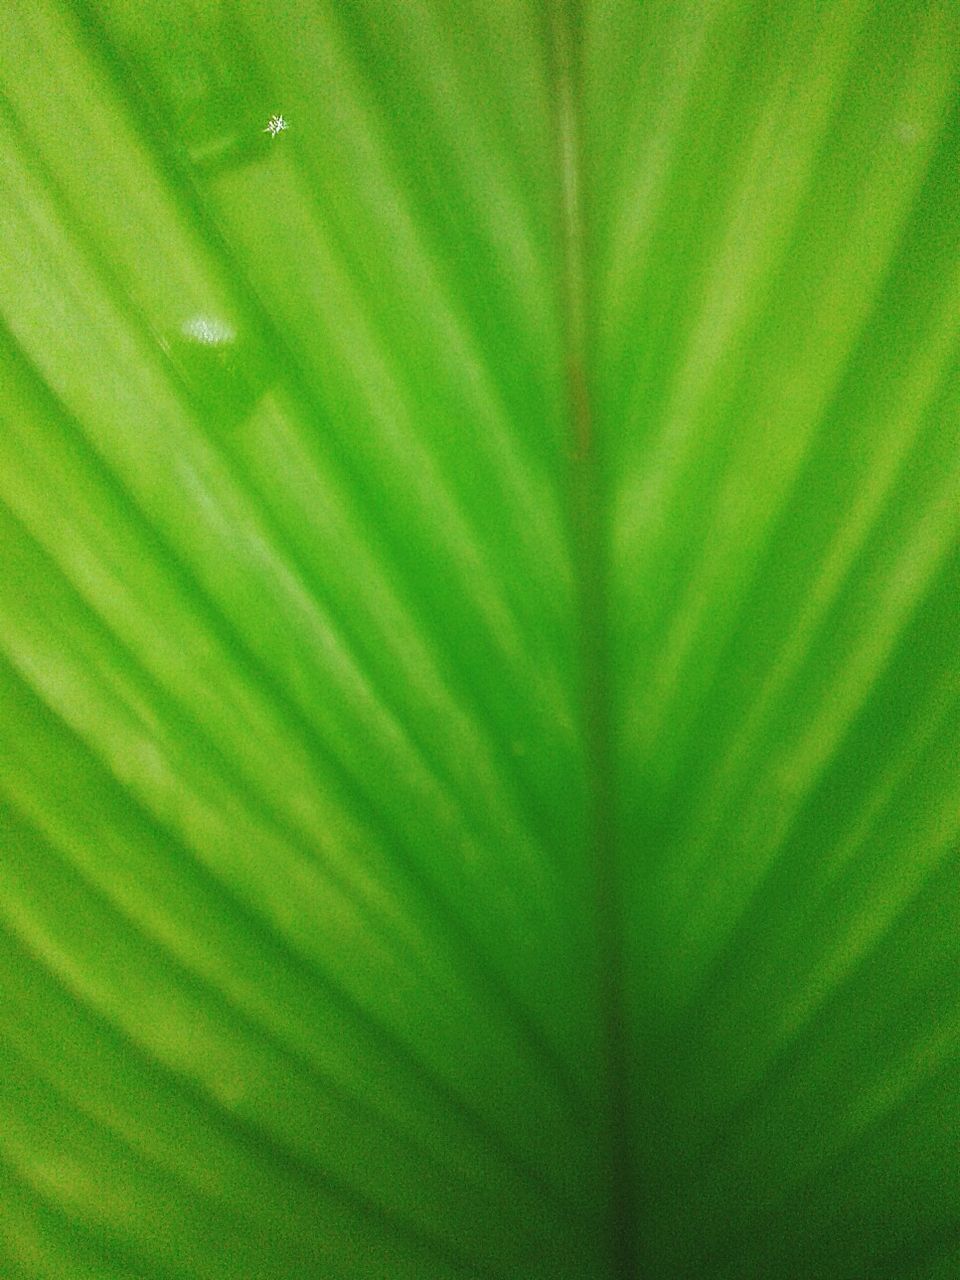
<point>478,633</point>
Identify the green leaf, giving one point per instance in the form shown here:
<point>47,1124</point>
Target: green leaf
<point>479,578</point>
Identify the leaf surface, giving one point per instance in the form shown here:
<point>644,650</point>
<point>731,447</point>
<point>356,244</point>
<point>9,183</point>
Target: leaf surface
<point>478,632</point>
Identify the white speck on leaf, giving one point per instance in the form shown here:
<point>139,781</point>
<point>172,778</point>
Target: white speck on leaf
<point>208,330</point>
<point>276,124</point>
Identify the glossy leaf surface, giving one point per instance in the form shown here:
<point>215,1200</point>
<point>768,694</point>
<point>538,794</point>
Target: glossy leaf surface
<point>478,639</point>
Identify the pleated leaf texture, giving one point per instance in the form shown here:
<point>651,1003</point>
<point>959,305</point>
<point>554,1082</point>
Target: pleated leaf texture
<point>479,632</point>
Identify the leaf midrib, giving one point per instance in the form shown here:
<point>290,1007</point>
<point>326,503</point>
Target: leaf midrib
<point>602,852</point>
